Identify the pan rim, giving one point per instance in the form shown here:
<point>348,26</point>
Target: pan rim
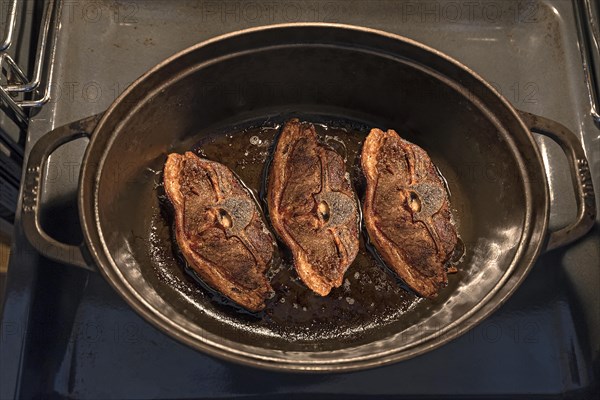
<point>464,323</point>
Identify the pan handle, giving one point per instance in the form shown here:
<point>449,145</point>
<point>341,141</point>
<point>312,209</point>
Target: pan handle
<point>580,176</point>
<point>32,193</point>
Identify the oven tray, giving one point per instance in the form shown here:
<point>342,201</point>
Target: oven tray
<point>66,333</point>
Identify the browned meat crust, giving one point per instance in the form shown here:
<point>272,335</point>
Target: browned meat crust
<point>407,212</point>
<point>219,228</point>
<point>312,207</point>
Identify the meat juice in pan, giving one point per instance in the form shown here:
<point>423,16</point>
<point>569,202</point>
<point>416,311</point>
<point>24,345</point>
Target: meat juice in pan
<point>370,295</point>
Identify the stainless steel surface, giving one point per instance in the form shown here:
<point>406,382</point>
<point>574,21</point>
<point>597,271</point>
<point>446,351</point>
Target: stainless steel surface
<point>544,341</point>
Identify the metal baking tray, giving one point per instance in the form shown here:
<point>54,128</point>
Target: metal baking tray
<point>66,333</point>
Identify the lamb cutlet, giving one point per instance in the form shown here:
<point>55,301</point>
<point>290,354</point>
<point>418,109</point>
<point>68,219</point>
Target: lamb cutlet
<point>219,228</point>
<point>312,207</point>
<point>407,211</point>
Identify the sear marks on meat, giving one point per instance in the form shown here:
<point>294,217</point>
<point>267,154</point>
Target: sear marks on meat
<point>312,207</point>
<point>219,228</point>
<point>407,212</point>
